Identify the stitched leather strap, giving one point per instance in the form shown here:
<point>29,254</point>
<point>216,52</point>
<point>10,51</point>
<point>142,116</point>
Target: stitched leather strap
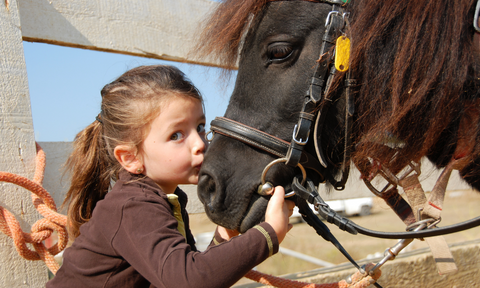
<point>250,136</point>
<point>263,141</point>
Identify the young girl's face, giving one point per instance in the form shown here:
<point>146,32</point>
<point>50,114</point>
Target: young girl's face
<point>173,150</point>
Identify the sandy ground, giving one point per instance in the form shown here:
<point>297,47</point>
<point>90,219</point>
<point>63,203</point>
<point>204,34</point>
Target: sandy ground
<point>459,206</point>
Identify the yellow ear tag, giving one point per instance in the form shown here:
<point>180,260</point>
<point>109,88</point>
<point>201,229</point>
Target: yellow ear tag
<point>342,53</point>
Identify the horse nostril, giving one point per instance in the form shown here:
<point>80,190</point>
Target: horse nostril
<point>206,185</point>
<point>206,191</point>
<point>210,208</point>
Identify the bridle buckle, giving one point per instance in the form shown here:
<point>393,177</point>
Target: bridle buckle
<point>301,141</point>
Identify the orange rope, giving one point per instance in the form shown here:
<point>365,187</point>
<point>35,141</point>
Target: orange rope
<point>54,221</point>
<point>359,280</point>
<point>43,228</point>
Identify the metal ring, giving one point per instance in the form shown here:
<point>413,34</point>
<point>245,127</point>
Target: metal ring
<point>208,133</point>
<point>420,225</point>
<point>281,160</point>
<point>434,223</point>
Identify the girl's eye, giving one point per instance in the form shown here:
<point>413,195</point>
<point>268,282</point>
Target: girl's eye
<point>201,128</point>
<point>176,136</point>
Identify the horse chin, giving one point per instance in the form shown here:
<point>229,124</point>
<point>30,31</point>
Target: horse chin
<point>255,213</point>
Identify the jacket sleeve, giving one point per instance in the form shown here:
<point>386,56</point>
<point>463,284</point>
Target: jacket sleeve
<point>153,246</point>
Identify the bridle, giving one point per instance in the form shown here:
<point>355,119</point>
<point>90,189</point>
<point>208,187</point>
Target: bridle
<point>312,113</point>
<point>317,102</point>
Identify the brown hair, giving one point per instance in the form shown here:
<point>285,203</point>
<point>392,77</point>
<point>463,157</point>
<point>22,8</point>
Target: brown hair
<point>129,105</point>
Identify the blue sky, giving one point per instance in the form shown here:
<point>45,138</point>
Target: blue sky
<point>65,84</point>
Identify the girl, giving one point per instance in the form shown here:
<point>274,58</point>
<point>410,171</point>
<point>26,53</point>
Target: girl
<point>149,137</point>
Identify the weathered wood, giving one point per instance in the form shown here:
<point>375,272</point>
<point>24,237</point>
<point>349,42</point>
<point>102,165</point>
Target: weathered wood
<point>161,29</point>
<point>411,269</point>
<point>17,149</point>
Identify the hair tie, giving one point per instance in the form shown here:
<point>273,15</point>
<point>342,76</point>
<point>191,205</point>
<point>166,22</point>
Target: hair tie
<point>99,119</point>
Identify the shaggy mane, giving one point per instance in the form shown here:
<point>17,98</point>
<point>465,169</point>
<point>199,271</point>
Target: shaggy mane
<point>414,62</point>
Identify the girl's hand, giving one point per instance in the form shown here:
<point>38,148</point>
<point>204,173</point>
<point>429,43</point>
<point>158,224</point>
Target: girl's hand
<point>278,211</point>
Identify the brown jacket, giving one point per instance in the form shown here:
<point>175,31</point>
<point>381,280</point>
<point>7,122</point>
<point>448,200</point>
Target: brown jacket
<point>132,240</point>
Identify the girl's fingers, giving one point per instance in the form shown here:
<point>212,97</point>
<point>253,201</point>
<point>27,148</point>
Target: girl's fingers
<point>290,205</point>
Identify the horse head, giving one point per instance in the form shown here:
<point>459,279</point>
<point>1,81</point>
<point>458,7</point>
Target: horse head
<point>397,96</point>
<point>277,62</point>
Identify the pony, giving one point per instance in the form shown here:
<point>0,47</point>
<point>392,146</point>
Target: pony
<point>411,92</point>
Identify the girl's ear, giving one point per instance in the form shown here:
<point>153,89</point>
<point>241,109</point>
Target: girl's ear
<point>126,155</point>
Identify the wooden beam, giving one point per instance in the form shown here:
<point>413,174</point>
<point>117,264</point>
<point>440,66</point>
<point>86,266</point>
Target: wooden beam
<point>409,269</point>
<point>160,29</point>
<point>18,149</point>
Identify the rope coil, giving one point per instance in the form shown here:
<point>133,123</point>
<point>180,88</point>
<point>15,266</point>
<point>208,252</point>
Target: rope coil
<point>43,228</point>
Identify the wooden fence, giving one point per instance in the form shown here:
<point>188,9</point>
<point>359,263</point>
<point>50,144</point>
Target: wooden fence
<point>160,29</point>
<point>411,269</point>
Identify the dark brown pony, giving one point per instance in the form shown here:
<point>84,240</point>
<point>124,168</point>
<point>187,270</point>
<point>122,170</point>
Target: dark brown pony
<point>416,68</point>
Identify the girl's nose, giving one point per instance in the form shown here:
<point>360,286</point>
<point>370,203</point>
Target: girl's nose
<point>199,144</point>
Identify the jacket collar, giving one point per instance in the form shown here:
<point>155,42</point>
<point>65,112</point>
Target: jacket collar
<point>144,181</point>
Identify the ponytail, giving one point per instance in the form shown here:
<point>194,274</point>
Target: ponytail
<point>89,166</point>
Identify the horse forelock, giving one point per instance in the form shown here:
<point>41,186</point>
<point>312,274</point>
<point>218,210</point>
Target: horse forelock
<point>224,28</point>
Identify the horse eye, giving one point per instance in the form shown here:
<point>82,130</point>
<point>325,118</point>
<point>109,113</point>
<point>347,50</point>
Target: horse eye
<point>279,51</point>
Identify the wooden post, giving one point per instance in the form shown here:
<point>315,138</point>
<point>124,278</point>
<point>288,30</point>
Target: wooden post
<point>161,29</point>
<point>17,149</point>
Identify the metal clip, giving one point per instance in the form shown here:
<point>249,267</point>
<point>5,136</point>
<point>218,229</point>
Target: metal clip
<point>392,179</point>
<point>327,21</point>
<point>393,251</point>
<point>344,16</point>
<point>475,18</point>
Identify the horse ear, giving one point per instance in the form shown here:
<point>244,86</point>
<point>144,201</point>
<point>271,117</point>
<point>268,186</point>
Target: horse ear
<point>126,155</point>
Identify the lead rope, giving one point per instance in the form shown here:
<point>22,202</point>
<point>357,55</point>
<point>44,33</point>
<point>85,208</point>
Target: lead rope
<point>43,228</point>
<point>357,280</point>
